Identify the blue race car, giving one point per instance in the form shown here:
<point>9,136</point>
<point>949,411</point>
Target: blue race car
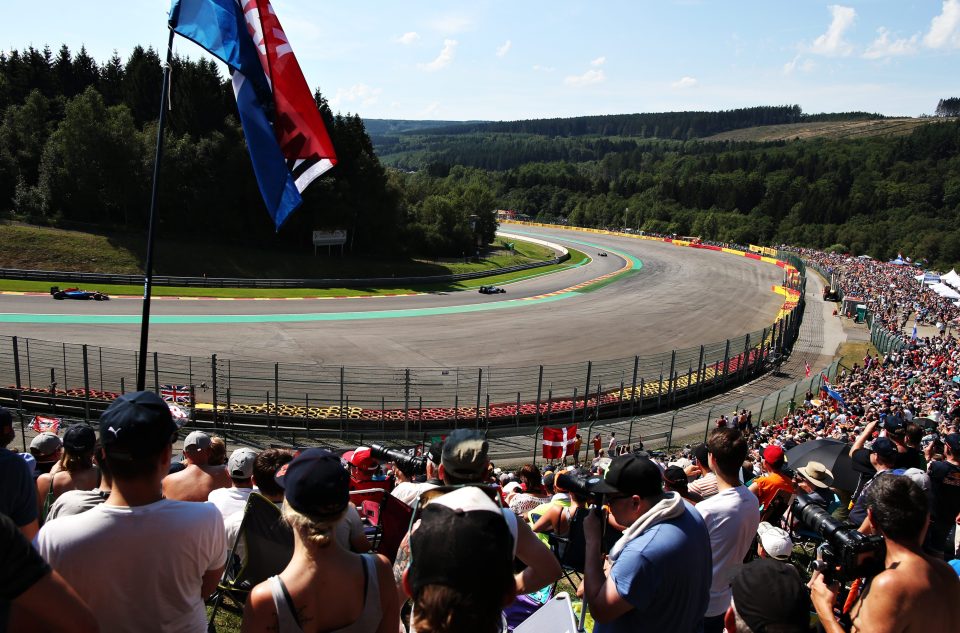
<point>491,290</point>
<point>77,293</point>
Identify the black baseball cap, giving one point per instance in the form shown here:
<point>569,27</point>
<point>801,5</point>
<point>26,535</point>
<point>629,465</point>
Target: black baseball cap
<point>435,454</point>
<point>6,419</point>
<point>767,591</point>
<point>79,438</point>
<point>630,475</point>
<point>315,483</point>
<point>675,476</point>
<point>136,425</point>
<point>953,441</point>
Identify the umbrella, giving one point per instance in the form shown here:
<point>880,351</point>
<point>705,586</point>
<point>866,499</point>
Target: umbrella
<point>833,454</point>
<point>926,423</point>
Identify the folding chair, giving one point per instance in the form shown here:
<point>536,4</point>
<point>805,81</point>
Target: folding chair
<point>368,502</point>
<point>268,547</point>
<point>393,519</point>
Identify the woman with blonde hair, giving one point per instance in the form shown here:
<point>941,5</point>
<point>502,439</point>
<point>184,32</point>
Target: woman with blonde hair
<point>324,587</point>
<point>74,471</point>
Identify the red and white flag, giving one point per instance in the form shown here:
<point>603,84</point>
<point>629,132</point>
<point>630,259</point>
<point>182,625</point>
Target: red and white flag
<point>558,443</point>
<point>806,370</point>
<point>42,424</point>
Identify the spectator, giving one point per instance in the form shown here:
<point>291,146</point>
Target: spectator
<point>773,542</point>
<point>768,596</point>
<point>675,480</point>
<point>706,484</point>
<point>324,587</point>
<point>410,491</point>
<point>218,451</point>
<point>945,481</point>
<point>815,480</point>
<point>199,478</point>
<point>461,569</point>
<point>577,444</point>
<point>18,490</point>
<point>914,592</point>
<point>660,574</point>
<point>731,516</point>
<point>240,468</point>
<point>775,482</point>
<point>75,471</point>
<point>32,596</point>
<point>533,493</point>
<point>47,449</point>
<point>612,445</point>
<point>77,501</point>
<point>597,445</point>
<point>882,457</point>
<point>158,558</point>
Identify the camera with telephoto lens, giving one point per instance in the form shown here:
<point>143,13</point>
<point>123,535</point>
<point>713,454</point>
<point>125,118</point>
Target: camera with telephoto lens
<point>576,484</point>
<point>415,464</point>
<point>846,553</point>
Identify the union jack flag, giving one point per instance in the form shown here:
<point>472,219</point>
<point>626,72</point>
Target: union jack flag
<point>175,393</point>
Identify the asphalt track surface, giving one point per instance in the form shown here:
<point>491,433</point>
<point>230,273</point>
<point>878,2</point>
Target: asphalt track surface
<point>671,297</point>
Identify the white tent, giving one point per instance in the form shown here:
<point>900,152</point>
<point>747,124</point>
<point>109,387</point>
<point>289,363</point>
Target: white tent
<point>951,278</point>
<point>945,291</point>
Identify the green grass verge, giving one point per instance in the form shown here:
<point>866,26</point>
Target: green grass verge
<point>577,258</point>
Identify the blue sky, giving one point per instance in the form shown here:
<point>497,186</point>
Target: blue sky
<point>497,60</point>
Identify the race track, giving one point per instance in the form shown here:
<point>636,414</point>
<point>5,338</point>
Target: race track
<point>672,297</point>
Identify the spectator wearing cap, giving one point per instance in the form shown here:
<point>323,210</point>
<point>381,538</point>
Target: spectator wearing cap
<point>773,481</point>
<point>240,468</point>
<point>461,569</point>
<point>907,456</point>
<point>945,483</point>
<point>814,479</point>
<point>75,471</point>
<point>706,484</point>
<point>675,480</point>
<point>731,516</point>
<point>464,461</point>
<point>768,596</point>
<point>156,559</point>
<point>773,542</point>
<point>18,490</point>
<point>882,457</point>
<point>914,592</point>
<point>325,587</point>
<point>32,596</point>
<point>199,478</point>
<point>660,574</point>
<point>47,449</point>
<point>410,491</point>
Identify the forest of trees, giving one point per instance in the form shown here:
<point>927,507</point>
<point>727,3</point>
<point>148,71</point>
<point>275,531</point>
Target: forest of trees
<point>77,143</point>
<point>948,107</point>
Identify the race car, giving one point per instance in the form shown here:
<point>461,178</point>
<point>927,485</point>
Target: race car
<point>602,254</point>
<point>77,293</point>
<point>491,290</point>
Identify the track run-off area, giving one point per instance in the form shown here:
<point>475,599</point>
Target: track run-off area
<point>645,297</point>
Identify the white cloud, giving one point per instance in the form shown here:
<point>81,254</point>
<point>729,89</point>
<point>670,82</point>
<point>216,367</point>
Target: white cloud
<point>408,38</point>
<point>684,82</point>
<point>883,46</point>
<point>832,43</point>
<point>361,94</point>
<point>798,63</point>
<point>444,58</point>
<point>598,61</point>
<point>945,28</point>
<point>450,24</point>
<point>587,78</point>
<point>432,109</point>
<point>543,69</point>
<point>504,48</point>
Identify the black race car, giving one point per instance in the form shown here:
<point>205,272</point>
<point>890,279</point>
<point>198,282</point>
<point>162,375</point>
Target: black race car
<point>602,254</point>
<point>491,290</point>
<point>77,293</point>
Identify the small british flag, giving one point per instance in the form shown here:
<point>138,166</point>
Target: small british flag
<point>175,393</point>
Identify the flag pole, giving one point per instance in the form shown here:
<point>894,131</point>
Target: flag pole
<point>148,266</point>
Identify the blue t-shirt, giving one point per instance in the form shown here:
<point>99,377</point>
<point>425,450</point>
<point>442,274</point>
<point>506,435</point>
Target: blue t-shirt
<point>665,573</point>
<point>18,491</point>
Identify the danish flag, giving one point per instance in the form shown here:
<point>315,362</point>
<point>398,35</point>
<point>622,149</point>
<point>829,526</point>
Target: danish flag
<point>558,443</point>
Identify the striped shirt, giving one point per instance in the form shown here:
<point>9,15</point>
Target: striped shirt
<point>706,486</point>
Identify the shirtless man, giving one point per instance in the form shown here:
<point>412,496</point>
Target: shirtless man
<point>915,592</point>
<point>199,478</point>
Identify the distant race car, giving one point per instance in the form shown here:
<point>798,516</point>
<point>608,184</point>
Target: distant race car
<point>491,290</point>
<point>602,254</point>
<point>77,293</point>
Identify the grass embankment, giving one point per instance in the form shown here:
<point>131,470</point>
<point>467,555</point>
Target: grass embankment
<point>854,352</point>
<point>824,129</point>
<point>38,248</point>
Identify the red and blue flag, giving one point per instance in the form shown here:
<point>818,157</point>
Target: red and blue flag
<point>288,142</point>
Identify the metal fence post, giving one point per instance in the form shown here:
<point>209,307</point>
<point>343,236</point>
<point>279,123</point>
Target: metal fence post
<point>406,403</point>
<point>670,435</point>
<point>586,391</point>
<point>29,372</point>
<point>633,391</point>
<point>706,431</point>
<point>745,359</point>
<point>630,431</point>
<point>701,372</point>
<point>479,393</point>
<point>516,412</point>
<point>536,417</point>
<point>620,404</point>
<point>726,362</point>
<point>549,404</point>
<point>573,408</point>
<point>343,421</point>
<point>156,373</point>
<point>536,436</point>
<point>16,362</point>
<point>671,385</point>
<point>86,387</point>
<point>642,389</point>
<point>596,411</point>
<point>659,391</point>
<point>776,407</point>
<point>213,380</point>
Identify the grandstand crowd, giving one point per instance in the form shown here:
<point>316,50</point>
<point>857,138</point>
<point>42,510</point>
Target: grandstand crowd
<point>107,529</point>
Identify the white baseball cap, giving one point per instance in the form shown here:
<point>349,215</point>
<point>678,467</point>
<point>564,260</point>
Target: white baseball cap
<point>776,542</point>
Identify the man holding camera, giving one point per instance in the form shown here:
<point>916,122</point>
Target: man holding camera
<point>914,592</point>
<point>661,566</point>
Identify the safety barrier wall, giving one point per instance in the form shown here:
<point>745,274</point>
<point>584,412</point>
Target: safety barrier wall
<point>321,399</point>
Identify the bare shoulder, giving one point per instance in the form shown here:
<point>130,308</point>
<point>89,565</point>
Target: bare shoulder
<point>259,613</point>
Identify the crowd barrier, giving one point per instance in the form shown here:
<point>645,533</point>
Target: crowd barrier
<point>286,397</point>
